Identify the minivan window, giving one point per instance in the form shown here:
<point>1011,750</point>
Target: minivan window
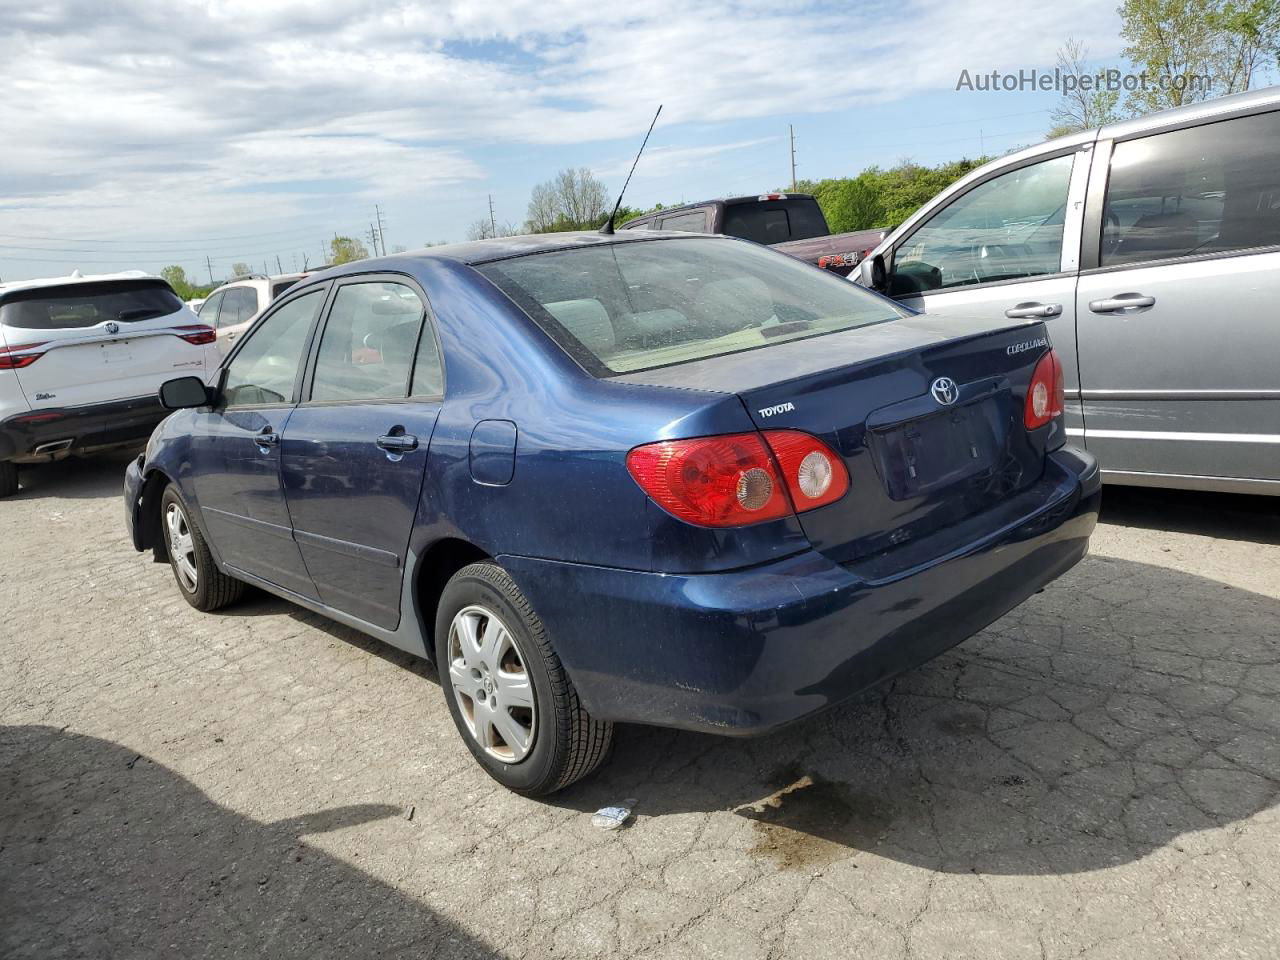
<point>1008,228</point>
<point>77,305</point>
<point>1204,189</point>
<point>263,371</point>
<point>638,305</point>
<point>368,343</point>
<point>280,286</point>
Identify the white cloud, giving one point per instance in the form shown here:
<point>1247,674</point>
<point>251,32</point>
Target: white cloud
<point>150,117</point>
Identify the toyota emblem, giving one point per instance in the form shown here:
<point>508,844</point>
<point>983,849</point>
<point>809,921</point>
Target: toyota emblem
<point>113,327</point>
<point>945,391</point>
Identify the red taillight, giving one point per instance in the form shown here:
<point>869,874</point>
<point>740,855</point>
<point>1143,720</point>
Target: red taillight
<point>813,472</point>
<point>1046,394</point>
<point>197,334</point>
<point>726,481</point>
<point>732,480</point>
<point>8,360</point>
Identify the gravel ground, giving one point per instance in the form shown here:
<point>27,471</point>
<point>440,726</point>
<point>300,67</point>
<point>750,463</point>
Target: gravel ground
<point>1096,775</point>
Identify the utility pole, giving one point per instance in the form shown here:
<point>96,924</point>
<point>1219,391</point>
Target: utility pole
<point>792,131</point>
<point>493,223</point>
<point>381,236</point>
<point>982,144</point>
<point>264,267</point>
<point>373,239</point>
<point>209,263</point>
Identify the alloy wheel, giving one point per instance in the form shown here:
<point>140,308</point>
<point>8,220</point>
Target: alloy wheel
<point>181,547</point>
<point>494,692</point>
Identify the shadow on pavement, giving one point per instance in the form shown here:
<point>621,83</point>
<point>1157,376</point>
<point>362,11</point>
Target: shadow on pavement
<point>75,478</point>
<point>104,853</point>
<point>1126,708</point>
<point>1229,516</point>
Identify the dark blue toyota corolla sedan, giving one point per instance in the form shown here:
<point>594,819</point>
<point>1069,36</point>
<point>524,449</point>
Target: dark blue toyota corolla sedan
<point>659,478</point>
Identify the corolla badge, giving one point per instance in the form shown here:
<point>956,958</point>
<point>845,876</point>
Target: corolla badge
<point>945,391</point>
<point>113,327</point>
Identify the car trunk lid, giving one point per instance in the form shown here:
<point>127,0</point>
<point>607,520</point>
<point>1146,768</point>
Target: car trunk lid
<point>931,432</point>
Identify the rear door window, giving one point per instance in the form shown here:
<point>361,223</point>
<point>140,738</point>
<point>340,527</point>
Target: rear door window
<point>78,305</point>
<point>368,345</point>
<point>238,306</point>
<point>693,222</point>
<point>1205,189</point>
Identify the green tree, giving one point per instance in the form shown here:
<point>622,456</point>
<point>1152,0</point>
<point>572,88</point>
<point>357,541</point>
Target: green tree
<point>1175,41</point>
<point>345,250</point>
<point>241,269</point>
<point>1250,38</point>
<point>176,277</point>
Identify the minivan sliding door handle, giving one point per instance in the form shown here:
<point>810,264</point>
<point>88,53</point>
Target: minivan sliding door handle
<point>1122,301</point>
<point>1027,311</point>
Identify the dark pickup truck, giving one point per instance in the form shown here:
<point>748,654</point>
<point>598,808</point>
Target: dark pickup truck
<point>790,222</point>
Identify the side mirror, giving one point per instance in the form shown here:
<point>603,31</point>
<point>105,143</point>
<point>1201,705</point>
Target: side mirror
<point>183,393</point>
<point>872,273</point>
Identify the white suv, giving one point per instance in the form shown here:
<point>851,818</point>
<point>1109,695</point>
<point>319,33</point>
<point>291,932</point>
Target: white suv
<point>81,361</point>
<point>232,307</point>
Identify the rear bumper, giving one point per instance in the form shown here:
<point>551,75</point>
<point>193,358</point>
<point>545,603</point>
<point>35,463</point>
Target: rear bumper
<point>54,432</point>
<point>745,652</point>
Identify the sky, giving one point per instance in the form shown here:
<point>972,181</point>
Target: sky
<point>139,134</point>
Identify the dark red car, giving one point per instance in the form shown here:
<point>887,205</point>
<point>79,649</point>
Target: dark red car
<point>789,222</point>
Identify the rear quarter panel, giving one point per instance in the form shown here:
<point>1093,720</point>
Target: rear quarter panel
<point>570,497</point>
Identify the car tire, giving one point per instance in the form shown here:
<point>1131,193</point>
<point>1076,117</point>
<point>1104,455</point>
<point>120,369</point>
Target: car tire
<point>199,580</point>
<point>481,671</point>
<point>8,478</point>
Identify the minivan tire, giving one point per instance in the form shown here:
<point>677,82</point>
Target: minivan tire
<point>213,588</point>
<point>8,478</point>
<point>567,743</point>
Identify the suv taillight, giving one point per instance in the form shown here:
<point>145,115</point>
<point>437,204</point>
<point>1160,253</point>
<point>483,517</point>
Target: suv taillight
<point>197,333</point>
<point>1046,394</point>
<point>15,358</point>
<point>739,479</point>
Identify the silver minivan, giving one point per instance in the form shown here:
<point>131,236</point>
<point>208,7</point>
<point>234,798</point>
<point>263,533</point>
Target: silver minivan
<point>1152,246</point>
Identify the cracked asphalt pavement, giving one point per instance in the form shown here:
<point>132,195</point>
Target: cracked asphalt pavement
<point>1095,775</point>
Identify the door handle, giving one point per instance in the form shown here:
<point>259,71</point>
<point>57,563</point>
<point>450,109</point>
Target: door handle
<point>266,438</point>
<point>398,443</point>
<point>1121,301</point>
<point>1025,311</point>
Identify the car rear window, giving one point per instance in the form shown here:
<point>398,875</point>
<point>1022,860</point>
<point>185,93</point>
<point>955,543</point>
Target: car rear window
<point>88,304</point>
<point>280,287</point>
<point>625,307</point>
<point>775,221</point>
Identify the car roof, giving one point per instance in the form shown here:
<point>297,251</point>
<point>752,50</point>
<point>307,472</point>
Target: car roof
<point>1250,101</point>
<point>476,252</point>
<point>75,277</point>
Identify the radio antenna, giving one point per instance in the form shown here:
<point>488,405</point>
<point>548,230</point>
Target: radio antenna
<point>607,229</point>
